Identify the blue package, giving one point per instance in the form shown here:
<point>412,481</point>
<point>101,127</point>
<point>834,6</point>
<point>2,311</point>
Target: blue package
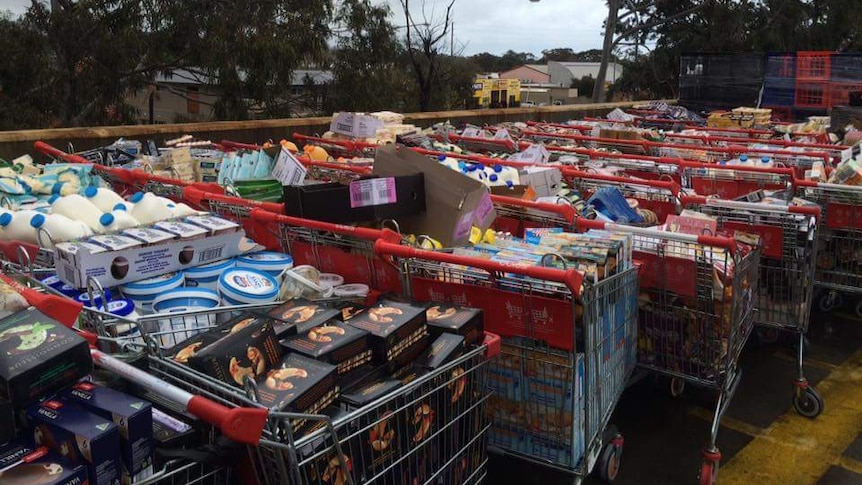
<point>611,203</point>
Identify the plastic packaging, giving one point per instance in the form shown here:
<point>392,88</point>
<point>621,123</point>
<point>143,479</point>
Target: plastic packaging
<point>98,301</point>
<point>270,262</point>
<point>117,220</point>
<point>55,228</point>
<point>242,286</point>
<point>78,208</point>
<point>150,208</point>
<point>142,293</point>
<point>104,199</point>
<point>206,276</point>
<point>176,329</point>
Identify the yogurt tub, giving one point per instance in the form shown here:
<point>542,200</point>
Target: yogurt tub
<point>174,330</point>
<point>330,280</point>
<point>206,276</point>
<point>52,281</point>
<point>143,292</point>
<point>68,290</point>
<point>99,303</point>
<point>267,261</point>
<point>351,290</point>
<point>243,286</point>
<point>124,308</point>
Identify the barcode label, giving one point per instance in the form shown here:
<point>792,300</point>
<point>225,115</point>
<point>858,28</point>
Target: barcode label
<point>209,255</point>
<point>369,192</point>
<point>288,170</point>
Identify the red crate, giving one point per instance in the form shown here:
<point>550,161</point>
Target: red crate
<point>813,65</point>
<point>812,95</point>
<point>839,93</point>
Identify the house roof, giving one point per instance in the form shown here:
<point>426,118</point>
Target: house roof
<point>543,68</point>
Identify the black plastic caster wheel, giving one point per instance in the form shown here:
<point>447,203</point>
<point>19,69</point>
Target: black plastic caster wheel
<point>808,402</point>
<point>768,335</point>
<point>829,301</point>
<point>610,460</point>
<point>677,387</point>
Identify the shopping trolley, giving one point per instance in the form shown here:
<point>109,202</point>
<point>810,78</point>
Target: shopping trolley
<point>839,262</point>
<point>788,256</point>
<point>732,181</point>
<point>324,171</point>
<point>515,215</point>
<point>568,350</point>
<point>660,197</point>
<point>837,152</point>
<point>481,145</point>
<point>300,448</point>
<point>696,313</point>
<point>339,148</point>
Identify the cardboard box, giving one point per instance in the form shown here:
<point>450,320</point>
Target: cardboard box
<point>301,315</point>
<point>364,200</point>
<point>464,321</point>
<point>38,355</point>
<point>8,426</point>
<point>13,451</point>
<point>133,417</point>
<point>339,344</point>
<point>45,467</point>
<point>300,385</point>
<point>357,125</point>
<point>183,351</point>
<point>395,328</point>
<point>79,436</point>
<point>545,181</point>
<point>451,198</point>
<point>444,349</point>
<point>75,262</point>
<point>249,349</point>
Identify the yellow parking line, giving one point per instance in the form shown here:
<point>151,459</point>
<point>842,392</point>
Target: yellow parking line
<point>728,422</point>
<point>851,464</point>
<point>797,450</point>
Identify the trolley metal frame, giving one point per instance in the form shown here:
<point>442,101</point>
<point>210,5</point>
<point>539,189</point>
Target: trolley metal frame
<point>685,332</point>
<point>788,256</point>
<point>552,323</point>
<point>839,266</point>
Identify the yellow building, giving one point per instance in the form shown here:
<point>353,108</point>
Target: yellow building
<point>497,93</point>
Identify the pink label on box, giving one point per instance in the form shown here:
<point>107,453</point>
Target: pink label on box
<point>465,223</point>
<point>483,210</point>
<point>370,192</point>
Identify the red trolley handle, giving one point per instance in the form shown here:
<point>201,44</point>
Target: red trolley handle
<point>670,186</point>
<point>121,174</point>
<point>141,178</point>
<point>199,198</point>
<point>304,160</point>
<point>740,168</point>
<point>269,217</point>
<point>244,425</point>
<point>572,278</point>
<point>715,241</point>
<point>565,211</point>
<point>541,124</point>
<point>348,144</point>
<point>235,145</point>
<point>828,186</point>
<point>808,210</point>
<point>508,144</point>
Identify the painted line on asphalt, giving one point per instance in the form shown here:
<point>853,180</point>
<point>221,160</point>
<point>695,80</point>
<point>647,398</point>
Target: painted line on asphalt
<point>797,450</point>
<point>850,464</point>
<point>727,422</point>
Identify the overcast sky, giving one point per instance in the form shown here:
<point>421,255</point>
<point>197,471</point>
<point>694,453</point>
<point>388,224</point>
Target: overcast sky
<point>498,25</point>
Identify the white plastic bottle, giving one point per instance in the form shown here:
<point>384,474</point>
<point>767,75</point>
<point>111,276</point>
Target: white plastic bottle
<point>182,210</point>
<point>4,210</point>
<point>123,206</point>
<point>765,162</point>
<point>744,161</point>
<point>150,208</point>
<point>103,199</point>
<point>77,208</point>
<point>17,227</point>
<point>55,228</point>
<point>507,175</point>
<point>116,221</point>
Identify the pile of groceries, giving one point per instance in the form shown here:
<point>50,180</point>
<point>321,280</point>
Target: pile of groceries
<point>383,303</point>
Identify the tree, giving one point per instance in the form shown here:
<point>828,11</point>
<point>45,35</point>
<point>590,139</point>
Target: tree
<point>425,42</point>
<point>367,75</point>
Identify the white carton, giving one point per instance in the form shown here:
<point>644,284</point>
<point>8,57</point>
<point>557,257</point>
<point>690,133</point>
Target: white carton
<point>181,229</point>
<point>76,262</point>
<point>148,235</point>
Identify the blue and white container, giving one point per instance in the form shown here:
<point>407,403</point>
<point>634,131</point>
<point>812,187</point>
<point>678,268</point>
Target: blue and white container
<point>143,292</point>
<point>99,301</point>
<point>243,286</point>
<point>267,261</point>
<point>206,276</point>
<point>52,281</point>
<point>181,300</point>
<point>124,309</point>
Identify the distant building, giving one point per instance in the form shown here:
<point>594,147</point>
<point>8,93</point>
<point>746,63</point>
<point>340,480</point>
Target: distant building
<point>528,74</point>
<point>187,96</point>
<point>562,73</point>
<point>496,93</point>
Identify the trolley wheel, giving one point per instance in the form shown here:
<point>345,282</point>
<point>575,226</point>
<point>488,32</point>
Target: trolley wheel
<point>859,309</point>
<point>829,300</point>
<point>677,386</point>
<point>768,335</point>
<point>709,467</point>
<point>808,402</point>
<point>611,458</point>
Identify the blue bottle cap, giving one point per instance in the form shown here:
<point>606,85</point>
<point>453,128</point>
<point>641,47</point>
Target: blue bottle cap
<point>91,191</point>
<point>441,158</point>
<point>462,164</point>
<point>493,177</point>
<point>54,198</point>
<point>764,159</point>
<point>510,184</point>
<point>743,157</point>
<point>136,197</point>
<point>498,168</point>
<point>107,219</point>
<point>57,188</point>
<point>37,221</point>
<point>5,219</point>
<point>120,207</point>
